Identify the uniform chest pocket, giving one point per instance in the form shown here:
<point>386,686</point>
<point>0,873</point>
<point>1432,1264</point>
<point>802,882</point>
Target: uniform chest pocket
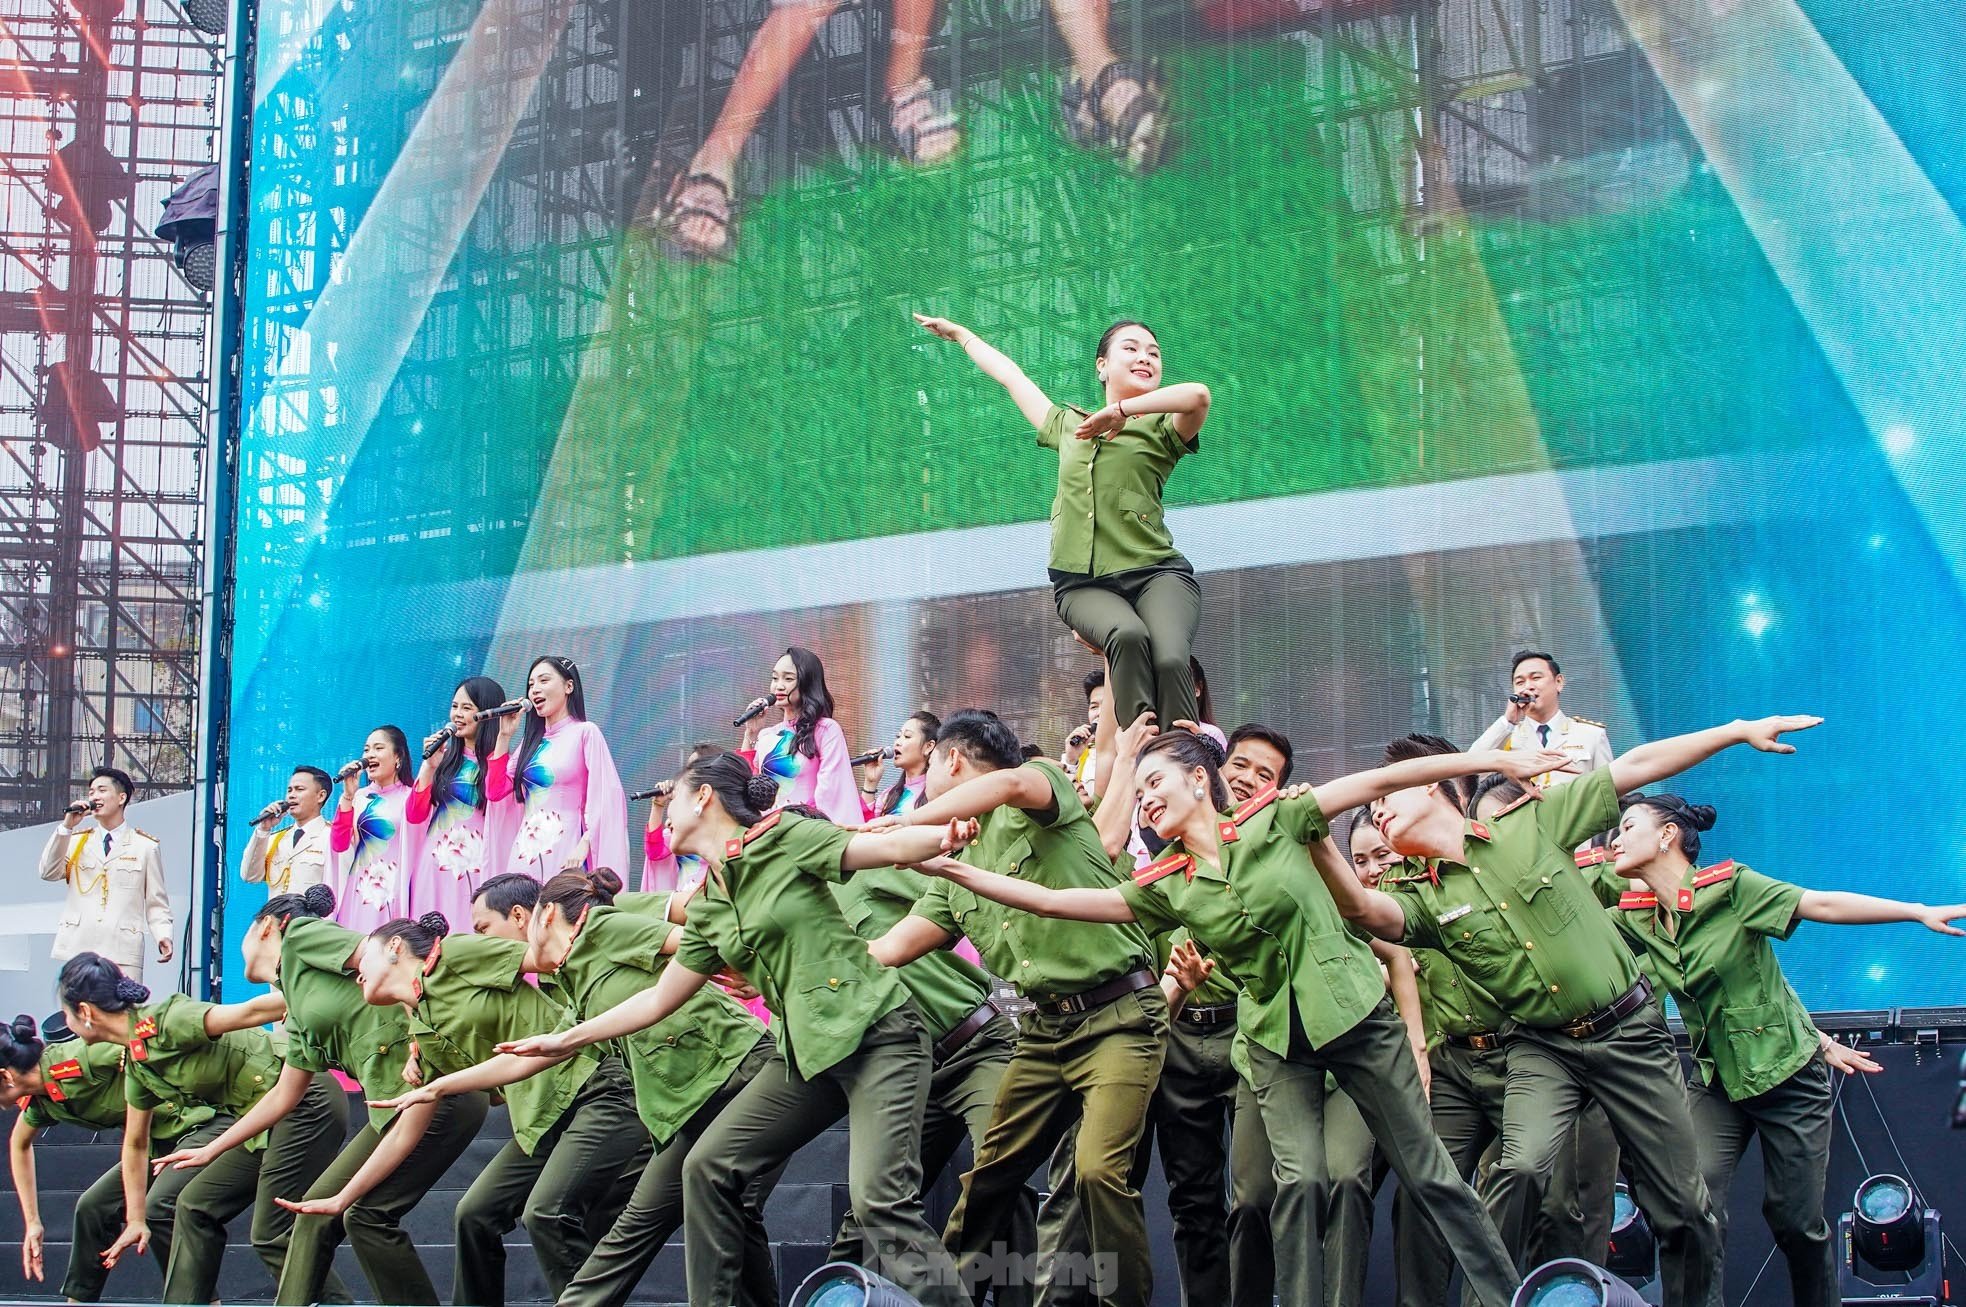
<point>1140,509</point>
<point>677,1058</point>
<point>1751,1039</point>
<point>856,911</point>
<point>1474,941</point>
<point>829,994</point>
<point>1549,907</point>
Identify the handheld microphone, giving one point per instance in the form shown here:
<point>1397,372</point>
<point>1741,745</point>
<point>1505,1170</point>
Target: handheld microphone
<point>79,809</point>
<point>505,709</point>
<point>862,759</point>
<point>1519,700</point>
<point>349,770</point>
<point>277,808</point>
<point>659,792</point>
<point>756,708</point>
<point>443,737</point>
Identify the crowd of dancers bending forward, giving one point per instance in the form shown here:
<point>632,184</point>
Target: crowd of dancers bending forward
<point>1449,967</point>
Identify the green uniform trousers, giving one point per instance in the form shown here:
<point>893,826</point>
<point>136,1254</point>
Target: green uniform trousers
<point>374,1225</point>
<point>1252,1198</point>
<point>1374,1064</point>
<point>1357,1168</point>
<point>1793,1120</point>
<point>962,1093</point>
<point>1189,1120</point>
<point>1468,1089</point>
<point>1632,1071</point>
<point>655,1209</point>
<point>555,1191</point>
<point>1575,1218</point>
<point>1144,621</point>
<point>297,1151</point>
<point>1096,1069</point>
<point>99,1214</point>
<point>882,1090</point>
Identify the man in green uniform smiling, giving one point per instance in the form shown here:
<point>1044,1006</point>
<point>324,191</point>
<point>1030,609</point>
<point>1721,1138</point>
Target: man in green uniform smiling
<point>1506,902</point>
<point>1092,1050</point>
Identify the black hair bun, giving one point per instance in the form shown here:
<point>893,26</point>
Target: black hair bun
<point>761,792</point>
<point>318,900</point>
<point>1702,816</point>
<point>435,922</point>
<point>1216,753</point>
<point>25,1029</point>
<point>605,883</point>
<point>131,992</point>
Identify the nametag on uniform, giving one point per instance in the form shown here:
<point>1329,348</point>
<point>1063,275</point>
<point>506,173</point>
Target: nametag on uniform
<point>1453,915</point>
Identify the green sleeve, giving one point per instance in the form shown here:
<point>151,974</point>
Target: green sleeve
<point>629,937</point>
<point>1052,432</point>
<point>38,1114</point>
<point>1765,905</point>
<point>1065,800</point>
<point>139,1097</point>
<point>486,960</point>
<point>933,906</point>
<point>1177,444</point>
<point>1571,813</point>
<point>1150,907</point>
<point>1606,883</point>
<point>304,1053</point>
<point>183,1024</point>
<point>815,845</point>
<point>1302,819</point>
<point>649,903</point>
<point>698,954</point>
<point>1422,931</point>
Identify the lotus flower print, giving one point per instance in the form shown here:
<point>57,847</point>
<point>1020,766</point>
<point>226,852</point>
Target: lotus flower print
<point>460,853</point>
<point>375,884</point>
<point>539,835</point>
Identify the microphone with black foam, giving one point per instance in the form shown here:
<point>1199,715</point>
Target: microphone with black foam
<point>438,741</point>
<point>754,709</point>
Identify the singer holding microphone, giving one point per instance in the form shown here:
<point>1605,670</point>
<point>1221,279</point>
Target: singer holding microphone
<point>1116,577</point>
<point>806,751</point>
<point>372,836</point>
<point>572,812</point>
<point>913,745</point>
<point>292,858</point>
<point>115,877</point>
<point>448,803</point>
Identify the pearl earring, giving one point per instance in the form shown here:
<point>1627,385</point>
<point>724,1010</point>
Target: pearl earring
<point>698,810</point>
<point>1662,846</point>
<point>1200,793</point>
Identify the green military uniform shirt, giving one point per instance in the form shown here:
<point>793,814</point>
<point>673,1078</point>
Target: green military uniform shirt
<point>1516,915</point>
<point>82,1085</point>
<point>1711,951</point>
<point>678,1064</point>
<point>1450,1003</point>
<point>770,915</point>
<point>1267,920</point>
<point>330,1026</point>
<point>1107,516</point>
<point>946,986</point>
<point>474,999</point>
<point>1216,991</point>
<point>172,1061</point>
<point>1046,959</point>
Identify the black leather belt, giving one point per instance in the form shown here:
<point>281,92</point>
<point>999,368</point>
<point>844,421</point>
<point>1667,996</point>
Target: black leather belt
<point>967,1029</point>
<point>1596,1023</point>
<point>1100,994</point>
<point>1208,1014</point>
<point>1482,1041</point>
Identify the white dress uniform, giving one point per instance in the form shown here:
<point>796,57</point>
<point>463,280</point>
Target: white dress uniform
<point>290,859</point>
<point>115,889</point>
<point>1583,741</point>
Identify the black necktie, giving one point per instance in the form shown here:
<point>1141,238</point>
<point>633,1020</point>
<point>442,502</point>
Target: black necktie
<point>106,837</point>
<point>1545,729</point>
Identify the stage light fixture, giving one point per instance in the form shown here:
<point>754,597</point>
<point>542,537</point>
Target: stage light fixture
<point>190,223</point>
<point>1893,1250</point>
<point>1886,1223</point>
<point>208,16</point>
<point>1574,1282</point>
<point>842,1284</point>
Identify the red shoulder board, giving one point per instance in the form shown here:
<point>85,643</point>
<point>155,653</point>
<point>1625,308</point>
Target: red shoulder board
<point>146,1029</point>
<point>1165,866</point>
<point>69,1070</point>
<point>54,1093</point>
<point>1503,812</point>
<point>734,847</point>
<point>1714,875</point>
<point>1256,802</point>
<point>1593,857</point>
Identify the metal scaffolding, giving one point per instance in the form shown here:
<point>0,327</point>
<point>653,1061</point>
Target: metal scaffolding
<point>108,107</point>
